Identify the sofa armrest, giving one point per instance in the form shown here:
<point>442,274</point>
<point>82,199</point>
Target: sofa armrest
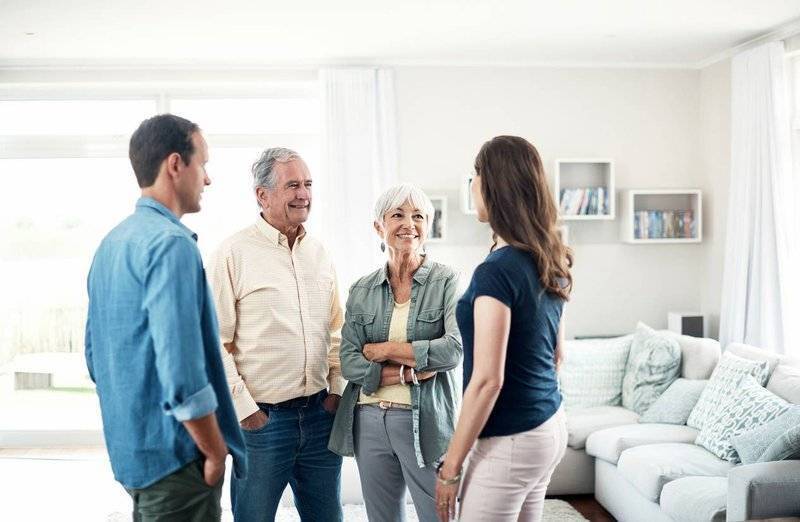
<point>764,490</point>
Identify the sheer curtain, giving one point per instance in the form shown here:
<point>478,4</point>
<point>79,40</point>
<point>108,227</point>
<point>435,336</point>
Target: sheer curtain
<point>359,152</point>
<point>759,281</point>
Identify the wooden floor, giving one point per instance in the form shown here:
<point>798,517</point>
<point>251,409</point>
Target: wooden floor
<point>588,507</point>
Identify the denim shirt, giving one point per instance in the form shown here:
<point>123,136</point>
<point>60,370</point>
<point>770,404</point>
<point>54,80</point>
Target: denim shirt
<point>433,333</point>
<point>152,347</point>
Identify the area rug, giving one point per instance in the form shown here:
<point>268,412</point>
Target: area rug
<point>554,511</point>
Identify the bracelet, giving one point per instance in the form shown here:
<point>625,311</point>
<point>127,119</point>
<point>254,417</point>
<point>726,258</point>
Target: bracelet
<point>450,481</point>
<point>402,374</point>
<point>414,377</point>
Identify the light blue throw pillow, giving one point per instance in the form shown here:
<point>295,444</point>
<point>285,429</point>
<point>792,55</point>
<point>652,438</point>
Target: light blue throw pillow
<point>676,403</point>
<point>781,436</point>
<point>653,364</point>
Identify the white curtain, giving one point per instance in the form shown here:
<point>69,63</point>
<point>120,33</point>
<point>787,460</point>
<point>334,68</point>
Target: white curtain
<point>759,282</point>
<point>360,160</point>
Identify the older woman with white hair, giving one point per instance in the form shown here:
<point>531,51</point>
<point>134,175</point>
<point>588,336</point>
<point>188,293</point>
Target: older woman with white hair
<point>400,345</point>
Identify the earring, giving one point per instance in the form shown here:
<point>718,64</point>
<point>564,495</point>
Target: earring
<point>383,246</point>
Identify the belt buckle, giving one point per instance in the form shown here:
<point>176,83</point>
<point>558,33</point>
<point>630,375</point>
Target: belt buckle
<point>384,405</point>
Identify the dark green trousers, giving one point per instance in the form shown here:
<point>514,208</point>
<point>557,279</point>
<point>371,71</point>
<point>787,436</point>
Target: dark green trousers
<point>182,496</point>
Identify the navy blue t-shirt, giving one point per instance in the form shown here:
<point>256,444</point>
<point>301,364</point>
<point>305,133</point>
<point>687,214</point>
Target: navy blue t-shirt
<point>529,395</point>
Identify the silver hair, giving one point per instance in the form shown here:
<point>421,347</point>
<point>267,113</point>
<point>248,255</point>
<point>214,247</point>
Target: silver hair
<point>396,196</point>
<point>264,168</point>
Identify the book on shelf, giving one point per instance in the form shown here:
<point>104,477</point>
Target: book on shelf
<point>591,201</point>
<point>664,224</point>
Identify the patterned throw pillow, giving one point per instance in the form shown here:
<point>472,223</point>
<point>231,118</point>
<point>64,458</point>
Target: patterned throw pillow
<point>592,372</point>
<point>723,382</point>
<point>675,404</point>
<point>750,407</point>
<point>653,364</point>
<point>752,445</point>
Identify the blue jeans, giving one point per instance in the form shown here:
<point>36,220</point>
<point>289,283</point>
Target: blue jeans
<point>291,448</point>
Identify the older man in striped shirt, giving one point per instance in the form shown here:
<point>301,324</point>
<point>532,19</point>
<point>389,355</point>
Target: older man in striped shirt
<point>279,317</point>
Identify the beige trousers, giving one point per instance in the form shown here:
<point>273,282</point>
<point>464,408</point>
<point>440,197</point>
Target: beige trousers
<point>506,478</point>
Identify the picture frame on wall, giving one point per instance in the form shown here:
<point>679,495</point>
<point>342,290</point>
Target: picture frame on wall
<point>438,230</point>
<point>467,205</point>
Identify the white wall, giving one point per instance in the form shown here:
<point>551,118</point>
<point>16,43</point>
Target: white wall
<point>649,121</point>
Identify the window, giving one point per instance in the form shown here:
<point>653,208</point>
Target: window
<point>67,181</point>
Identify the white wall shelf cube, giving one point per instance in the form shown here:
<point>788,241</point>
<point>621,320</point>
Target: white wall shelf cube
<point>438,231</point>
<point>584,189</point>
<point>662,216</point>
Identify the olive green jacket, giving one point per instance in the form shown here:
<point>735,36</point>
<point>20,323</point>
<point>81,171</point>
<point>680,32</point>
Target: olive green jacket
<point>434,336</point>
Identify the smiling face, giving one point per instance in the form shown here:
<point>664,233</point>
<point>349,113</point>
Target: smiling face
<point>404,229</point>
<point>288,204</point>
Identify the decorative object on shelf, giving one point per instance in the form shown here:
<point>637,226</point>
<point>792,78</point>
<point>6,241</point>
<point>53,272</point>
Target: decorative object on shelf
<point>584,189</point>
<point>467,206</point>
<point>662,216</point>
<point>439,227</point>
<point>686,323</point>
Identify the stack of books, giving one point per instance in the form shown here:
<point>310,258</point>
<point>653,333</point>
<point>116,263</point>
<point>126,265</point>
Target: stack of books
<point>591,201</point>
<point>664,224</point>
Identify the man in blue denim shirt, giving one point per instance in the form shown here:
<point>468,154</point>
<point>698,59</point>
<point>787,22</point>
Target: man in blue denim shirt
<point>152,340</point>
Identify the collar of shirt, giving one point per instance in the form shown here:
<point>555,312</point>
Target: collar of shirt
<point>146,202</point>
<point>420,276</point>
<point>275,235</point>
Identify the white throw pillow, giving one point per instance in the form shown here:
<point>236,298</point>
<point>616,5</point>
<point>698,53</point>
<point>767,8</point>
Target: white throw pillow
<point>592,372</point>
<point>749,407</point>
<point>723,383</point>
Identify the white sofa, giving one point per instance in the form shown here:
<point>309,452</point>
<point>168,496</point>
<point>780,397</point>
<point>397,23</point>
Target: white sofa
<point>655,472</point>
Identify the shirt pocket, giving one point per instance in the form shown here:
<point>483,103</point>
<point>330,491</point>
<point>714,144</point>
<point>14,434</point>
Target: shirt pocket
<point>365,322</point>
<point>430,324</point>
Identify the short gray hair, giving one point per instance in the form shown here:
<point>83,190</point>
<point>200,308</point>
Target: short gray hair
<point>396,196</point>
<point>264,168</point>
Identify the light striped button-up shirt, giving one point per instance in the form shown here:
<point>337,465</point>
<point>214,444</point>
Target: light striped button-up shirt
<point>280,308</point>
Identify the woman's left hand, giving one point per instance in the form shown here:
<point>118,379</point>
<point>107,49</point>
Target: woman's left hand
<point>446,497</point>
<point>375,352</point>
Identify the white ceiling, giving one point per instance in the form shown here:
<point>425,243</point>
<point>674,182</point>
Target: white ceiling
<point>681,33</point>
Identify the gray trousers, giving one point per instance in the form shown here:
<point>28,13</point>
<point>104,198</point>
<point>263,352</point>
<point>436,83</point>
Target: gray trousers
<point>384,449</point>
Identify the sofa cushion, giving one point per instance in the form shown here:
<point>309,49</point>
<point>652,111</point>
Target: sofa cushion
<point>582,423</point>
<point>592,372</point>
<point>723,383</point>
<point>676,403</point>
<point>653,364</point>
<point>750,407</point>
<point>752,444</point>
<point>651,466</point>
<point>699,355</point>
<point>609,443</point>
<point>696,499</point>
<point>785,383</point>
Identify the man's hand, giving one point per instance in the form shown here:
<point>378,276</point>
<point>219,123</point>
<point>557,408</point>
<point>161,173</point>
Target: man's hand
<point>205,433</point>
<point>255,421</point>
<point>331,403</point>
<point>376,352</point>
<point>213,469</point>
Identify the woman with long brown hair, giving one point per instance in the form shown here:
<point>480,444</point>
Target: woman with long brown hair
<point>510,322</point>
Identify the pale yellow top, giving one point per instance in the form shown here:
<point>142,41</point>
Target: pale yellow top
<point>399,393</point>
